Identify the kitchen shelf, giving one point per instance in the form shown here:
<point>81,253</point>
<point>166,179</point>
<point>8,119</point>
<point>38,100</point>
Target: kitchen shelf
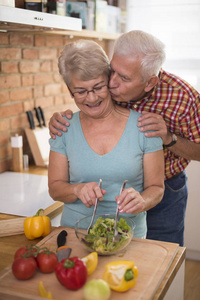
<point>84,34</point>
<point>71,33</point>
<point>20,20</point>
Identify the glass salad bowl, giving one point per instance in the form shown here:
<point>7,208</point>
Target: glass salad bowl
<point>100,236</point>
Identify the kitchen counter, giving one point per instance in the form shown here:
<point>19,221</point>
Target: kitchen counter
<point>174,275</point>
<point>22,194</point>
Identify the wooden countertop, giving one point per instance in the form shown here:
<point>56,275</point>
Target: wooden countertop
<point>9,245</point>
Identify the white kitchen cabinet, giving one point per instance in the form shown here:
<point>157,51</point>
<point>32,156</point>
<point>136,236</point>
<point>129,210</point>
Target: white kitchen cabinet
<point>192,222</point>
<point>176,289</point>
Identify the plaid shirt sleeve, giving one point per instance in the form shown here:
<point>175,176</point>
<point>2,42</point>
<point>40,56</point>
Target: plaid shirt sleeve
<point>185,103</point>
<point>190,121</point>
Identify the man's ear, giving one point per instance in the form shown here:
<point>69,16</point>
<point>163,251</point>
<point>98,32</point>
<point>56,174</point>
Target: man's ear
<point>151,82</point>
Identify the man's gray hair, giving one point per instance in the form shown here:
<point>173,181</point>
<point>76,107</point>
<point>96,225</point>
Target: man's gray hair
<point>144,46</point>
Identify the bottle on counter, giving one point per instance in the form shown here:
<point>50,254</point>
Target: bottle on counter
<point>25,161</point>
<point>17,153</point>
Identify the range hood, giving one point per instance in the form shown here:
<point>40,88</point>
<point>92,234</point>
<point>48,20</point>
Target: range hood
<point>16,19</point>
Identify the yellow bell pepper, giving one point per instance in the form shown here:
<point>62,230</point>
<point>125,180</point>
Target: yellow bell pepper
<point>43,292</point>
<point>91,261</point>
<point>37,226</point>
<point>120,275</point>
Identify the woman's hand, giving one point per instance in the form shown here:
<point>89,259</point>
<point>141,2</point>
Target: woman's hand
<point>130,201</point>
<point>88,192</point>
<point>57,122</point>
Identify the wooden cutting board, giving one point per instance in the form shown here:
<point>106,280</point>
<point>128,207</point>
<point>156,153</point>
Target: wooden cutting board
<point>152,258</point>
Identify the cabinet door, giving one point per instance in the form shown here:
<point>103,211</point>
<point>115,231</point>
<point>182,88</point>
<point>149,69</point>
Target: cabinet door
<point>192,222</point>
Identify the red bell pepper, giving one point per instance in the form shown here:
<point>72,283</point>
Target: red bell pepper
<point>71,272</point>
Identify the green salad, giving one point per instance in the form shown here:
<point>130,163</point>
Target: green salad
<point>100,237</point>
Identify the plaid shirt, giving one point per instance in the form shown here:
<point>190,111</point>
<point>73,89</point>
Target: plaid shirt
<point>179,105</point>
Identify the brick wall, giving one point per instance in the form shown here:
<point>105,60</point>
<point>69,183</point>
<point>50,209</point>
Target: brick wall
<point>29,77</point>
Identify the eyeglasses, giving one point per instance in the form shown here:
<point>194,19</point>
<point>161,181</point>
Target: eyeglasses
<point>96,90</point>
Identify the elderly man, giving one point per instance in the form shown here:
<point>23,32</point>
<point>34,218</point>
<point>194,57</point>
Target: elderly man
<point>170,109</point>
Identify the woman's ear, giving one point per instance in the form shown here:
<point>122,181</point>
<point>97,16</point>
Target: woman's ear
<point>151,82</point>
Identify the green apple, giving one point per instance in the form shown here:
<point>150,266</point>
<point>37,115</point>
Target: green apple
<point>97,289</point>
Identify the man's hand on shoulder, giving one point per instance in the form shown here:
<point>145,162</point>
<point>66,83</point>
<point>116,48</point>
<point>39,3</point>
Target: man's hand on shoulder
<point>154,125</point>
<point>57,122</point>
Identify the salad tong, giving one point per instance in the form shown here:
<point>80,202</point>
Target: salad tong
<point>95,208</point>
<point>117,213</point>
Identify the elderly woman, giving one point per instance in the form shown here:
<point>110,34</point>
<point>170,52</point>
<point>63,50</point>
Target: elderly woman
<point>103,141</point>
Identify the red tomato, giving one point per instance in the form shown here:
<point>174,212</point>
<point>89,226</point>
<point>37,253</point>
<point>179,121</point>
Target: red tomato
<point>24,268</point>
<point>47,261</point>
<point>26,251</point>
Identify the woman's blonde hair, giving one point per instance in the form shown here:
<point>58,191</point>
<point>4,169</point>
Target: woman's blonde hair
<point>83,59</point>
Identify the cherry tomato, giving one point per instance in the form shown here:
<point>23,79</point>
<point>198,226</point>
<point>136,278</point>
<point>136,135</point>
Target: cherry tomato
<point>47,261</point>
<point>24,268</point>
<point>26,251</point>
